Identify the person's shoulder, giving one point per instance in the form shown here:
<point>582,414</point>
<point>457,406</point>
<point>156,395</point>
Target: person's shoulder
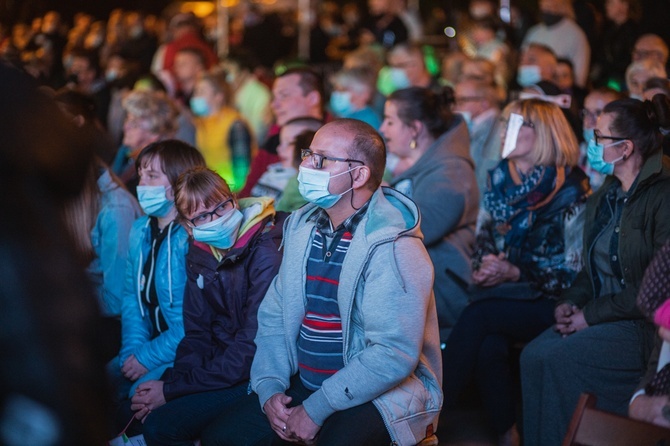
<point>118,196</point>
<point>273,227</point>
<point>391,212</point>
<point>141,223</point>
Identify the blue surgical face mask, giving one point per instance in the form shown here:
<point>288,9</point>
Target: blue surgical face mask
<point>200,106</point>
<point>340,103</point>
<point>111,75</point>
<point>588,135</point>
<point>313,186</point>
<point>154,201</point>
<point>399,78</point>
<point>528,75</point>
<point>594,154</point>
<point>222,232</point>
<point>467,117</point>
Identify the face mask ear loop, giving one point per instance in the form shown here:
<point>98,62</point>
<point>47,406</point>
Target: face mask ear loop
<point>351,197</point>
<point>169,254</point>
<point>140,265</point>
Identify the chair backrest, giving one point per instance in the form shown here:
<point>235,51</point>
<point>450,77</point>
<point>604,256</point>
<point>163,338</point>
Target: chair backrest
<point>592,427</point>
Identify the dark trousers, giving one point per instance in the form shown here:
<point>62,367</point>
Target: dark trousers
<point>479,345</point>
<point>180,421</point>
<point>245,424</point>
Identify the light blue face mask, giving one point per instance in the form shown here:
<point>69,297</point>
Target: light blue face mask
<point>588,135</point>
<point>200,106</point>
<point>399,78</point>
<point>313,186</point>
<point>111,75</point>
<point>594,153</point>
<point>340,103</point>
<point>154,201</point>
<point>222,232</point>
<point>467,117</point>
<point>528,75</point>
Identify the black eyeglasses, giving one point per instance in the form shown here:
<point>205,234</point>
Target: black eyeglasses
<point>218,212</point>
<point>318,159</point>
<point>597,136</point>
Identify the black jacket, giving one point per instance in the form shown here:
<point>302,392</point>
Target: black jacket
<point>220,308</point>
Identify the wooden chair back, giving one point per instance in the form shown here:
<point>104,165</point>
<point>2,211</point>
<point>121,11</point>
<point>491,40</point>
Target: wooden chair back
<point>592,427</point>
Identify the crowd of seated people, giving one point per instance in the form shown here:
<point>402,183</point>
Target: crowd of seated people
<point>343,250</point>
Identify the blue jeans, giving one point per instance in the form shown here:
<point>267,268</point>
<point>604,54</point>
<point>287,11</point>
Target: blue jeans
<point>180,421</point>
<point>244,424</point>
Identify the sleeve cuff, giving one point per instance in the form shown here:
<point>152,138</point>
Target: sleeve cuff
<point>317,407</point>
<point>266,388</point>
<point>635,395</point>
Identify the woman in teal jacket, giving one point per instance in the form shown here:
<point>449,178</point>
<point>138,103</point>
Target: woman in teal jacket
<point>151,309</point>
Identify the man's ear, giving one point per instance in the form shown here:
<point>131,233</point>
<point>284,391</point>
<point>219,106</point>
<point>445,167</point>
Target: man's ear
<point>361,177</point>
<point>314,98</point>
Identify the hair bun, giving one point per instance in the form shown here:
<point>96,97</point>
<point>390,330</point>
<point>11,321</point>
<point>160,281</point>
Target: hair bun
<point>658,110</point>
<point>445,96</point>
<point>648,108</point>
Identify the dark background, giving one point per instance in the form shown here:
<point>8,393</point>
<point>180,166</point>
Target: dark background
<point>12,11</point>
<point>656,13</point>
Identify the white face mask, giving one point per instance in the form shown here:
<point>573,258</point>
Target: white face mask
<point>313,186</point>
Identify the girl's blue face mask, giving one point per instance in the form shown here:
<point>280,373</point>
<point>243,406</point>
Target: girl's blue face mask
<point>222,232</point>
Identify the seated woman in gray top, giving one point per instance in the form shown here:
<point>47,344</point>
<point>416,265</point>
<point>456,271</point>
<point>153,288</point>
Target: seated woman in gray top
<point>434,168</point>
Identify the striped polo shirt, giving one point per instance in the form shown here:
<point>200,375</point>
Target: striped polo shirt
<point>320,349</point>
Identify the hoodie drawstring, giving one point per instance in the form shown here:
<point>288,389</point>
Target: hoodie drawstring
<point>170,260</point>
<point>140,266</point>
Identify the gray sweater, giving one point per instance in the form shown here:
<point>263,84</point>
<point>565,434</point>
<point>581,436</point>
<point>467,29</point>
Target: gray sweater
<point>443,185</point>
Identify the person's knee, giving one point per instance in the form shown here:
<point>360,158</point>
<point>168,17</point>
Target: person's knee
<point>156,431</point>
<point>494,350</point>
<point>474,312</point>
<point>219,433</point>
<point>533,355</point>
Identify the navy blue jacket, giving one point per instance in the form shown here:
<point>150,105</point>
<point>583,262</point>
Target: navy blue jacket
<point>220,308</point>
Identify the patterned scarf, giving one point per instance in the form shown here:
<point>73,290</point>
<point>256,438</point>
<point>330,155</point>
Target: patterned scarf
<point>513,199</point>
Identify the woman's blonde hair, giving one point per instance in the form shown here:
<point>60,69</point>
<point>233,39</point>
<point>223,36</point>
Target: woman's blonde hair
<point>154,107</point>
<point>555,142</point>
<point>199,185</point>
